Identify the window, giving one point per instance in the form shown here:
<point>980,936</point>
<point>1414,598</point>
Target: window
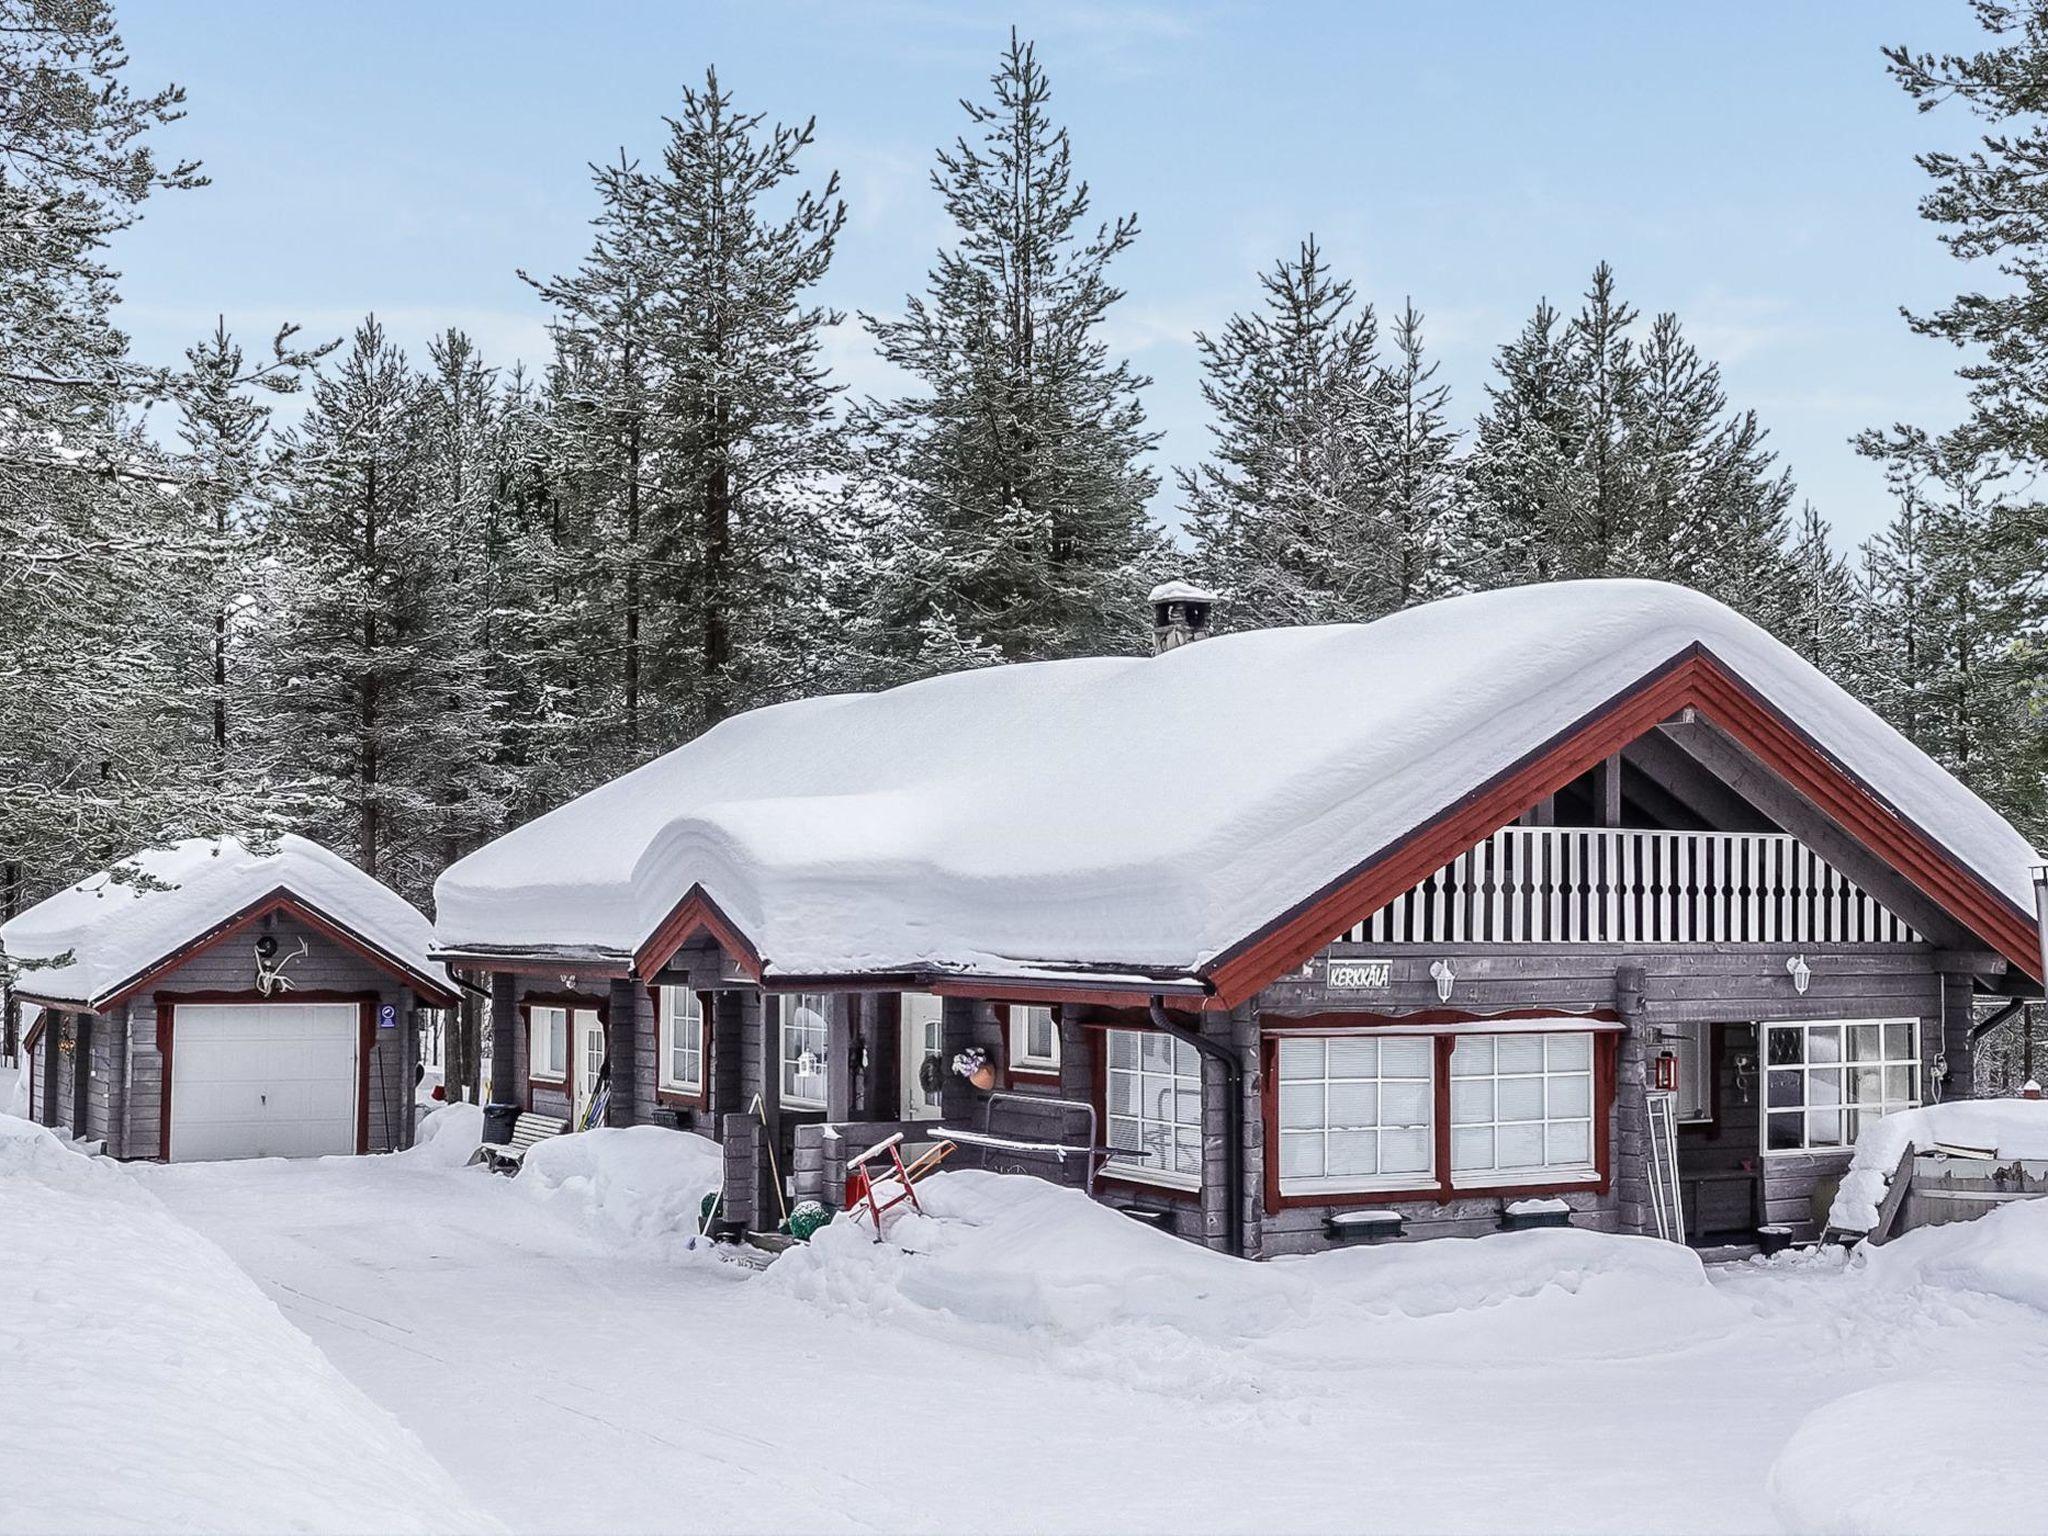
<point>1521,1108</point>
<point>1690,1044</point>
<point>803,1016</point>
<point>1034,1040</point>
<point>680,1039</point>
<point>1355,1113</point>
<point>1824,1082</point>
<point>547,1043</point>
<point>1154,1095</point>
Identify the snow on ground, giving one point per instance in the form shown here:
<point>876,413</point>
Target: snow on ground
<point>1023,1361</point>
<point>2009,1128</point>
<point>146,1384</point>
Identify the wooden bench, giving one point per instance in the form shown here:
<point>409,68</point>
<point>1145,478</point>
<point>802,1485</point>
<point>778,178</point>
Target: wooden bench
<point>527,1131</point>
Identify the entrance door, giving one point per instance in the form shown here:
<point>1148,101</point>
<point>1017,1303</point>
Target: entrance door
<point>263,1080</point>
<point>586,1034</point>
<point>921,1049</point>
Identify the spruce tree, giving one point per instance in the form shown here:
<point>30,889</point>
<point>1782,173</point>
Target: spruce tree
<point>1825,601</point>
<point>1007,495</point>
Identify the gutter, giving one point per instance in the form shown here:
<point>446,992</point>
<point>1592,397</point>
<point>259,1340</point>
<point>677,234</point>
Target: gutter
<point>1233,1118</point>
<point>1979,1031</point>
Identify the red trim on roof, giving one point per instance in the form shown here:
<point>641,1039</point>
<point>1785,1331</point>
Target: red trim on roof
<point>431,992</point>
<point>696,913</point>
<point>1694,678</point>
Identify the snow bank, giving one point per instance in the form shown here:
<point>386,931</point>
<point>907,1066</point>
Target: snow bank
<point>2012,1128</point>
<point>446,1136</point>
<point>1931,1456</point>
<point>639,1182</point>
<point>988,819</point>
<point>1028,1267</point>
<point>113,930</point>
<point>133,1343</point>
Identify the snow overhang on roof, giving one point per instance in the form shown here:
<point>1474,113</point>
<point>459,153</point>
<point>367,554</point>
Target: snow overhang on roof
<point>95,942</point>
<point>1147,815</point>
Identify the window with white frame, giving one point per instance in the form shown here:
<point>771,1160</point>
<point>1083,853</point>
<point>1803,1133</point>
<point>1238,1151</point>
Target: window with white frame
<point>680,1044</point>
<point>1356,1113</point>
<point>1521,1108</point>
<point>547,1042</point>
<point>1034,1040</point>
<point>803,1016</point>
<point>1154,1098</point>
<point>1825,1080</point>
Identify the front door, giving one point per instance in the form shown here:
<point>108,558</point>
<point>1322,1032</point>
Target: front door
<point>586,1031</point>
<point>921,1048</point>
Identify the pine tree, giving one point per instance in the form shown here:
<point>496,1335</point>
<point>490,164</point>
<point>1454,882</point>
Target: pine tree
<point>1421,478</point>
<point>1288,516</point>
<point>1825,601</point>
<point>1009,494</point>
<point>1524,472</point>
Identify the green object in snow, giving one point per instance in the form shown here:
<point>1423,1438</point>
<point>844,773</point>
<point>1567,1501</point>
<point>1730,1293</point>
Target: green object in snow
<point>704,1211</point>
<point>805,1218</point>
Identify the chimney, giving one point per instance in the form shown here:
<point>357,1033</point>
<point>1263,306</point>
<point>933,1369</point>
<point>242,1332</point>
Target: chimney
<point>1180,615</point>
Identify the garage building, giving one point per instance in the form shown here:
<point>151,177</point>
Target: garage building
<point>208,1001</point>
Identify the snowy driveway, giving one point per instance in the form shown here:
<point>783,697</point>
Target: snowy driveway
<point>570,1380</point>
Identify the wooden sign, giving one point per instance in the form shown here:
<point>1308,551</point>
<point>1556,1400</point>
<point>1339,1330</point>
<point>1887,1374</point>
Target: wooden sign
<point>1358,975</point>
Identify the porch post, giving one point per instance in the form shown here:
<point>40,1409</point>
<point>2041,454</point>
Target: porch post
<point>504,1039</point>
<point>622,1048</point>
<point>53,1026</point>
<point>842,1038</point>
<point>1629,1152</point>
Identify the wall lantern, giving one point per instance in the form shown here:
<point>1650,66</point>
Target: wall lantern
<point>1441,973</point>
<point>1800,972</point>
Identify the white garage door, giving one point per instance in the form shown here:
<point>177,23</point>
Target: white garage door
<point>263,1080</point>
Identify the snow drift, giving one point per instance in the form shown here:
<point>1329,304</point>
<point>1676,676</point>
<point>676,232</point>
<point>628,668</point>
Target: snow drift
<point>124,1329</point>
<point>1020,814</point>
<point>1028,1267</point>
<point>639,1183</point>
<point>2012,1128</point>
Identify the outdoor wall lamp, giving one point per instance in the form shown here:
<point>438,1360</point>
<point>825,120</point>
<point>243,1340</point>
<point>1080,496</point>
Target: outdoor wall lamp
<point>1441,973</point>
<point>1801,973</point>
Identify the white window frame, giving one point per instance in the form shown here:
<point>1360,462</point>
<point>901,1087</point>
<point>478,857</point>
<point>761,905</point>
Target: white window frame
<point>1420,1181</point>
<point>1884,1064</point>
<point>1551,1070</point>
<point>665,1037</point>
<point>788,1005</point>
<point>547,1058</point>
<point>1125,1167</point>
<point>1022,1057</point>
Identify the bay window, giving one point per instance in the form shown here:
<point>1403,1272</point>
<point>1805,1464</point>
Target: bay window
<point>1825,1081</point>
<point>801,1020</point>
<point>679,1039</point>
<point>547,1042</point>
<point>1154,1098</point>
<point>1355,1112</point>
<point>1521,1109</point>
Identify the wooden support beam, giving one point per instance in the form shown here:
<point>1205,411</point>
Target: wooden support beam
<point>1607,791</point>
<point>1695,787</point>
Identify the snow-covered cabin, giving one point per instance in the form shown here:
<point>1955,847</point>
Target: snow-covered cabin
<point>206,1000</point>
<point>1322,933</point>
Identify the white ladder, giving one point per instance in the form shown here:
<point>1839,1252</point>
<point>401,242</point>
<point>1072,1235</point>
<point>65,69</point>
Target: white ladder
<point>1667,1204</point>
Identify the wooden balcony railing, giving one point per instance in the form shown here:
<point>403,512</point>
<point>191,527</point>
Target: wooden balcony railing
<point>1582,885</point>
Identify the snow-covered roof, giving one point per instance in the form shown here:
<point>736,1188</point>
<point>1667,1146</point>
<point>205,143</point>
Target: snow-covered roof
<point>116,930</point>
<point>1180,591</point>
<point>1144,813</point>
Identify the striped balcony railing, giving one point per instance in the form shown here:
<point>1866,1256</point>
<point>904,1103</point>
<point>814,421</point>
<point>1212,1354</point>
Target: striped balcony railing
<point>1583,885</point>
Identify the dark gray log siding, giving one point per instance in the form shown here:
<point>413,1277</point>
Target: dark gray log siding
<point>228,967</point>
<point>1711,983</point>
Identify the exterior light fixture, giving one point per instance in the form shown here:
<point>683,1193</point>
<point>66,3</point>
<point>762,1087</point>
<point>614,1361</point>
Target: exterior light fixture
<point>1441,973</point>
<point>1800,972</point>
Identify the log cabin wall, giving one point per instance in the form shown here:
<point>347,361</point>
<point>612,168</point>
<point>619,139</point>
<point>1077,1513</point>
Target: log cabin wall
<point>1741,984</point>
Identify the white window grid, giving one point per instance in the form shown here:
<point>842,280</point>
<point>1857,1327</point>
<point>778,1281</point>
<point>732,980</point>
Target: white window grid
<point>803,1030</point>
<point>1825,1079</point>
<point>1154,1098</point>
<point>1357,1113</point>
<point>682,1037</point>
<point>1521,1108</point>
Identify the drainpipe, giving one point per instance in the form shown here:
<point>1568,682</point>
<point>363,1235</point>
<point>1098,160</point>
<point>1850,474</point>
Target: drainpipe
<point>1233,1119</point>
<point>1979,1031</point>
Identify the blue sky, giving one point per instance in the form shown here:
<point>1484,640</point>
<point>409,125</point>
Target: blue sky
<point>1746,164</point>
